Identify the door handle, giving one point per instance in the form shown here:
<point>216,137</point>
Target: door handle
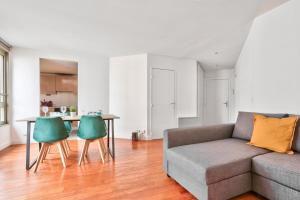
<point>226,103</point>
<point>173,103</point>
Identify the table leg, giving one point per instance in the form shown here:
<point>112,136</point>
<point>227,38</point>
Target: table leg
<point>108,133</point>
<point>28,146</point>
<point>28,164</point>
<point>113,138</point>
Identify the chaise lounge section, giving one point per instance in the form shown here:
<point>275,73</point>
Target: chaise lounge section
<point>215,162</point>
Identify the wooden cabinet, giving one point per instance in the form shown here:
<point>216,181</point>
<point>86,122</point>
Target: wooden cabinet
<point>66,83</point>
<point>53,83</point>
<point>48,84</point>
<point>75,81</point>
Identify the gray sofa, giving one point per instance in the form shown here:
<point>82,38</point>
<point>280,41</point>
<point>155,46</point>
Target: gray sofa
<point>214,162</point>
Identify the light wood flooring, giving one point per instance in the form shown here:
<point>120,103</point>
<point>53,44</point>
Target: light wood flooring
<point>135,174</point>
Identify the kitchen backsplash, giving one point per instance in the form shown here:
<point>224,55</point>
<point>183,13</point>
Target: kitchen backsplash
<point>61,99</point>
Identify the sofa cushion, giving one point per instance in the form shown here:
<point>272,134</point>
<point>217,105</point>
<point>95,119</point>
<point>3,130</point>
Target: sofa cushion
<point>210,162</point>
<point>281,168</point>
<point>296,141</point>
<point>273,133</point>
<point>244,124</point>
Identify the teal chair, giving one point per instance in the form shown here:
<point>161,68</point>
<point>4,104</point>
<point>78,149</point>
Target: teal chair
<point>68,126</point>
<point>92,128</point>
<point>50,131</point>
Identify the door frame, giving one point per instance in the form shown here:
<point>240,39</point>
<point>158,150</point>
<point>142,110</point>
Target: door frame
<point>205,95</point>
<point>150,98</point>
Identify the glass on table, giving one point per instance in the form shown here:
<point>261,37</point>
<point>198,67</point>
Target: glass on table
<point>63,110</point>
<point>45,110</point>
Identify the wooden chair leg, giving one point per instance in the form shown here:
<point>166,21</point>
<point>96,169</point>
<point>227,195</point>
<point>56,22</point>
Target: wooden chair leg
<point>83,152</point>
<point>101,151</point>
<point>68,145</point>
<point>87,149</point>
<point>104,150</point>
<point>60,148</point>
<point>103,145</point>
<point>49,149</point>
<point>39,157</point>
<point>45,152</point>
<point>63,149</point>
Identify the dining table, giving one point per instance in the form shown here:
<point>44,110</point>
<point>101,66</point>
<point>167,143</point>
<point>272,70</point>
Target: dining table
<point>108,118</point>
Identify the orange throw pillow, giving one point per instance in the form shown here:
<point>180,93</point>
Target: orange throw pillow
<point>275,134</point>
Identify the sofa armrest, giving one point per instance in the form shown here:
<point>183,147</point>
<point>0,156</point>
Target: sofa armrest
<point>184,136</point>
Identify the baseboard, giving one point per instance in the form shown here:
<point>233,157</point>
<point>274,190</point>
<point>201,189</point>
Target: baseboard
<point>4,145</point>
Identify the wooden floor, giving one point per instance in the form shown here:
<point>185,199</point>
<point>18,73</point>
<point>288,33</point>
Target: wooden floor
<point>136,174</point>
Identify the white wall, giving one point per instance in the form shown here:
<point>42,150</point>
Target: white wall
<point>130,90</point>
<point>128,93</point>
<point>269,65</point>
<point>198,120</point>
<point>93,75</point>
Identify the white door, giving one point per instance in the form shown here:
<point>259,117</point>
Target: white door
<point>216,102</point>
<point>163,101</point>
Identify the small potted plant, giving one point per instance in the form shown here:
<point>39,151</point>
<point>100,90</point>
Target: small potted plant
<point>72,111</point>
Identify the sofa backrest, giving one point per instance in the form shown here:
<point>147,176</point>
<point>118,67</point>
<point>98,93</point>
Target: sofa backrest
<point>296,140</point>
<point>244,124</point>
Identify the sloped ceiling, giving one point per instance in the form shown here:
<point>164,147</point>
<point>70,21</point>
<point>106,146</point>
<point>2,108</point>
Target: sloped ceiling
<point>211,31</point>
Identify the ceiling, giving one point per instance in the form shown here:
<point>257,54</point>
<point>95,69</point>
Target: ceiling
<point>211,31</point>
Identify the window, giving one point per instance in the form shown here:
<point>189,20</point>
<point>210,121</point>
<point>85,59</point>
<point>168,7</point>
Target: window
<point>3,86</point>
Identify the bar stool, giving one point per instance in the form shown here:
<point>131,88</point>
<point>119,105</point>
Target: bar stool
<point>92,128</point>
<point>50,131</point>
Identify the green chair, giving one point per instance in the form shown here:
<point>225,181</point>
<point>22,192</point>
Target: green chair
<point>68,126</point>
<point>50,131</point>
<point>92,128</point>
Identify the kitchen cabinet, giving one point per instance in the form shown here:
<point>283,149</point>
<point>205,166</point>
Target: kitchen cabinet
<point>75,84</point>
<point>48,84</point>
<point>53,83</point>
<point>66,83</point>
